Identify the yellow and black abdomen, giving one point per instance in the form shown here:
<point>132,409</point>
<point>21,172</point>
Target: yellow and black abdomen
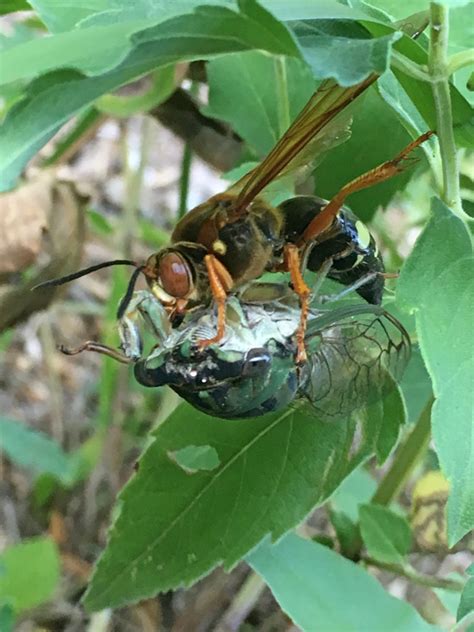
<point>350,245</point>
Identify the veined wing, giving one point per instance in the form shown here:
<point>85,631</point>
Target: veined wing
<point>355,361</point>
<point>310,126</point>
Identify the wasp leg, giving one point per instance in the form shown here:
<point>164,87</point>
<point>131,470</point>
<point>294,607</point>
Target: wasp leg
<point>381,173</point>
<point>293,265</point>
<point>90,345</point>
<point>220,282</point>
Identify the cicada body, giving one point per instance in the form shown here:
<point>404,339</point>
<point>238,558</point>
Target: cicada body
<point>355,356</point>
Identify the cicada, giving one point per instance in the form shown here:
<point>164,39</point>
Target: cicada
<point>355,354</point>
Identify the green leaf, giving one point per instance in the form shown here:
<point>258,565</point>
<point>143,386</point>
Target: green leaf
<point>29,573</point>
<point>10,6</point>
<point>392,414</point>
<point>420,92</point>
<point>55,97</point>
<point>362,152</point>
<point>64,15</point>
<point>386,535</point>
<point>356,489</point>
<point>460,39</point>
<point>437,283</point>
<point>466,605</point>
<point>7,618</point>
<point>252,92</point>
<point>416,385</point>
<point>347,532</point>
<point>322,591</point>
<point>194,458</point>
<point>327,46</point>
<point>395,96</point>
<point>93,51</point>
<point>33,449</point>
<point>273,470</point>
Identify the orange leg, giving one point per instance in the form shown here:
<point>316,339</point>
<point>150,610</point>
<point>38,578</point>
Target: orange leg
<point>220,282</point>
<point>292,262</point>
<point>379,174</point>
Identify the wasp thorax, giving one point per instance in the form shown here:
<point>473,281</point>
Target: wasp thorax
<point>173,273</point>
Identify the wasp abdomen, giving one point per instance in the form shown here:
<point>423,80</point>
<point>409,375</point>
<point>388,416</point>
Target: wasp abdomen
<point>348,242</point>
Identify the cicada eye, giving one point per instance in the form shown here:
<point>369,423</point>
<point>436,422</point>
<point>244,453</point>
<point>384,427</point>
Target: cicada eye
<point>257,363</point>
<point>175,275</point>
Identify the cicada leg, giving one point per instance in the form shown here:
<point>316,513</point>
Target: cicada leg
<point>97,347</point>
<point>367,278</point>
<point>145,306</point>
<point>142,305</point>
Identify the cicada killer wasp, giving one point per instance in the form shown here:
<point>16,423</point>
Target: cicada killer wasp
<point>229,241</point>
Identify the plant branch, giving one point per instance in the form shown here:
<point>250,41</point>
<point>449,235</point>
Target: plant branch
<point>438,70</point>
<point>409,67</point>
<point>416,577</point>
<point>406,457</point>
<point>460,60</point>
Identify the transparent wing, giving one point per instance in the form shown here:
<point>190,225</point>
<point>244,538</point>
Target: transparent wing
<point>354,362</point>
<point>313,131</point>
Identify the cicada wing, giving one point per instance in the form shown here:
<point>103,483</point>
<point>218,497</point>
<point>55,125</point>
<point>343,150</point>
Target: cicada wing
<point>354,363</point>
<point>313,131</point>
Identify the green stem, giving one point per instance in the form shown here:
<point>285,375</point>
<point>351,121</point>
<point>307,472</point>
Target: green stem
<point>438,69</point>
<point>406,457</point>
<point>284,118</point>
<point>460,60</point>
<point>186,162</point>
<point>184,179</point>
<point>409,67</point>
<point>416,577</point>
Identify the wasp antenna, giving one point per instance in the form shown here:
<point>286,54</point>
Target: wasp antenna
<point>128,294</point>
<point>81,273</point>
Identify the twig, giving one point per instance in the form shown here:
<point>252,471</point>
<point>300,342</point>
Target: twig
<point>242,604</point>
<point>416,577</point>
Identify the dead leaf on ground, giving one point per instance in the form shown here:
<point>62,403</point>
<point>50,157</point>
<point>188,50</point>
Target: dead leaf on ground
<point>42,225</point>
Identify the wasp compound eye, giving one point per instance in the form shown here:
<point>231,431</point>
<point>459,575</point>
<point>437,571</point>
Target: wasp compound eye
<point>175,275</point>
<point>257,362</point>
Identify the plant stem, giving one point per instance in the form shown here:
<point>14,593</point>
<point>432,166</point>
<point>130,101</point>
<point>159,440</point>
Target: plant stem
<point>405,459</point>
<point>282,95</point>
<point>242,604</point>
<point>460,60</point>
<point>184,179</point>
<point>438,70</point>
<point>409,67</point>
<point>416,577</point>
<point>186,168</point>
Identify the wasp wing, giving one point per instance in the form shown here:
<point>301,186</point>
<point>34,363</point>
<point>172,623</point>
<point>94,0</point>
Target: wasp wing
<point>354,362</point>
<point>309,127</point>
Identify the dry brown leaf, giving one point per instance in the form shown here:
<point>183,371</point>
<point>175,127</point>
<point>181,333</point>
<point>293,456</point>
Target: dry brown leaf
<point>42,225</point>
<point>23,218</point>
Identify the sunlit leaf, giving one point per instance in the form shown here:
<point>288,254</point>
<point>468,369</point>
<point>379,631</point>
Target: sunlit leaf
<point>174,527</point>
<point>38,561</point>
<point>320,590</point>
<point>437,283</point>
